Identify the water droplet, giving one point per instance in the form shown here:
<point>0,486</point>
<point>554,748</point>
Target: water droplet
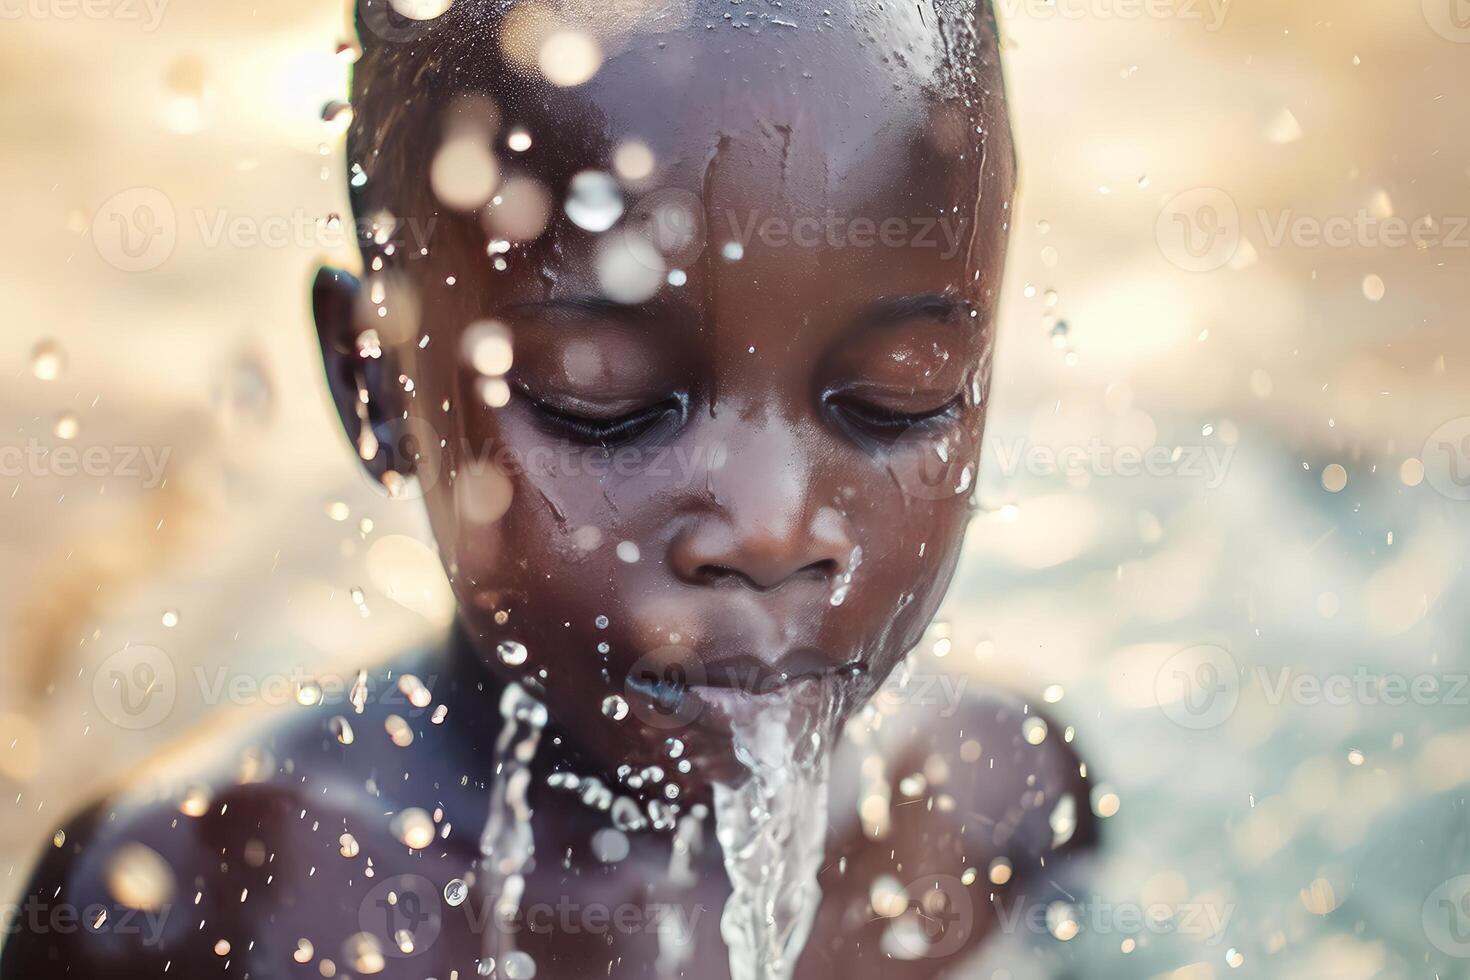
<point>341,730</point>
<point>674,747</point>
<point>347,846</point>
<point>569,58</point>
<point>440,713</point>
<point>633,161</point>
<point>414,827</point>
<point>358,695</point>
<point>67,426</point>
<point>139,878</point>
<point>610,845</point>
<point>595,203</point>
<point>170,618</point>
<point>1373,287</point>
<point>455,892</point>
<point>601,622</point>
<point>678,277</point>
<point>399,731</point>
<point>487,346</point>
<point>308,694</point>
<point>733,251</point>
<point>48,360</point>
<point>518,140</point>
<point>362,950</point>
<point>464,172</point>
<point>420,9</point>
<point>628,552</point>
<point>511,653</point>
<point>337,110</point>
<point>518,966</point>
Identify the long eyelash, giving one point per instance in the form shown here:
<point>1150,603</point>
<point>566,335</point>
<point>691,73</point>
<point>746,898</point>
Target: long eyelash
<point>876,426</point>
<point>598,432</point>
<point>874,414</point>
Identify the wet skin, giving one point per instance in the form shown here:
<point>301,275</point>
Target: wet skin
<point>788,438</point>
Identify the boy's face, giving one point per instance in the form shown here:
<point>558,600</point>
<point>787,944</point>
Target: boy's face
<point>739,430</point>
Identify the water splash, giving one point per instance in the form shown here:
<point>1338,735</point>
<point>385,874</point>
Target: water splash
<point>507,843</point>
<point>676,935</point>
<point>772,829</point>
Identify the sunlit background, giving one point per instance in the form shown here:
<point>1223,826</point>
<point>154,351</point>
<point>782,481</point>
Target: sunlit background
<point>1180,281</point>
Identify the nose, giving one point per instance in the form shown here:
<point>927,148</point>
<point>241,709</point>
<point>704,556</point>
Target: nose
<point>761,526</point>
<point>763,550</point>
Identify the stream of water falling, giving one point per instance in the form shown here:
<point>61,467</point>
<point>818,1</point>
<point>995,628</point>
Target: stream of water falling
<point>772,829</point>
<point>507,844</point>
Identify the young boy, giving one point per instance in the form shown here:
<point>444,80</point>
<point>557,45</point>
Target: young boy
<point>691,374</point>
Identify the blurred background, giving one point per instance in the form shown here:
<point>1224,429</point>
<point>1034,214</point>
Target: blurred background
<point>1224,510</point>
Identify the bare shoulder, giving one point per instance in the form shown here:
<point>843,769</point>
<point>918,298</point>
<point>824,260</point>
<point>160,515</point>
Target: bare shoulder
<point>201,858</point>
<point>1009,773</point>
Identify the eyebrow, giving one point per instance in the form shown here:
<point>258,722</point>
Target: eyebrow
<point>585,308</point>
<point>890,310</point>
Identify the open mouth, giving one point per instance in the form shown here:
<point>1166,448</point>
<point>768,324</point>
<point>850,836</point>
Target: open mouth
<point>711,696</point>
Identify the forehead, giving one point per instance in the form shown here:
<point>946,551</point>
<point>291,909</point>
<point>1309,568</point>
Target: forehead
<point>800,115</point>
<point>864,114</point>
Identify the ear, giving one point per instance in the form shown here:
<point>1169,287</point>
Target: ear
<point>372,425</point>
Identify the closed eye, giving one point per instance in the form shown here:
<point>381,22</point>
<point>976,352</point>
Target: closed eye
<point>871,421</point>
<point>606,431</point>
